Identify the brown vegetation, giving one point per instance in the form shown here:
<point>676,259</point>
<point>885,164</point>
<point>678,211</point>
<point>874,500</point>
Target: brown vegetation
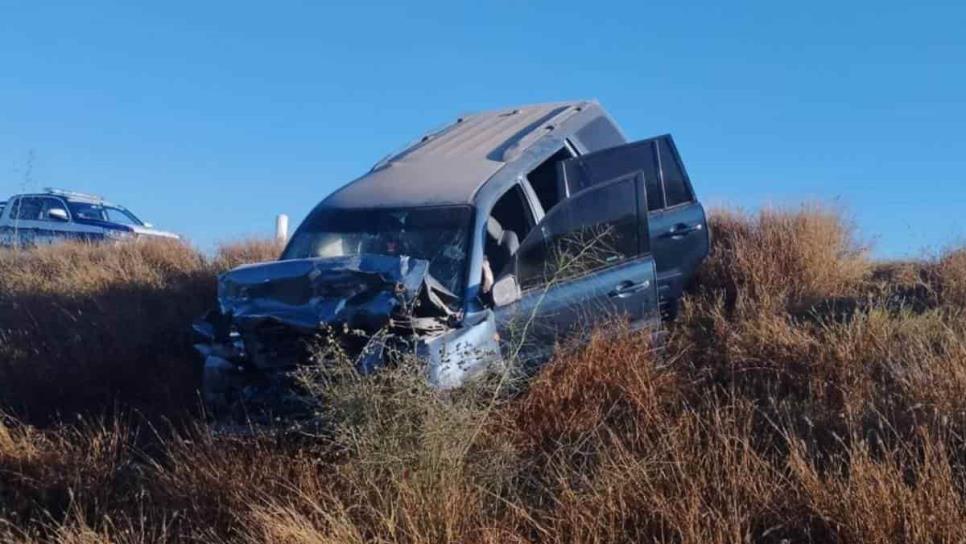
<point>85,327</point>
<point>806,394</point>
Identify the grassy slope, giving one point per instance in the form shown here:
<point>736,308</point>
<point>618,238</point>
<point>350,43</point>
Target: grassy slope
<point>806,394</point>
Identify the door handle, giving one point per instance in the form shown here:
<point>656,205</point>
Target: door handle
<point>627,288</point>
<point>682,229</point>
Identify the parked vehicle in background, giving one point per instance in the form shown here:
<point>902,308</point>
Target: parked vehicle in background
<point>493,238</point>
<point>53,216</point>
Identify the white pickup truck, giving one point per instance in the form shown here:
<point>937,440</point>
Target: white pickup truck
<point>53,216</point>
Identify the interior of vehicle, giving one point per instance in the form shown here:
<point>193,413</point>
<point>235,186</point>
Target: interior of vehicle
<point>546,180</point>
<point>510,220</point>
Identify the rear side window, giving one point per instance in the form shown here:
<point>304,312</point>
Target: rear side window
<point>27,209</point>
<point>675,187</point>
<point>595,229</point>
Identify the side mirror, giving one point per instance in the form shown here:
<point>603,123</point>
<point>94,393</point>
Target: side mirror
<point>506,291</point>
<point>58,214</point>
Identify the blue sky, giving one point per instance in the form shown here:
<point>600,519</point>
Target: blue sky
<point>208,118</point>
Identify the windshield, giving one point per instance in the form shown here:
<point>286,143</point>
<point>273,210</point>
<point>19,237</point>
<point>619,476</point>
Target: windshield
<point>437,234</point>
<point>103,212</point>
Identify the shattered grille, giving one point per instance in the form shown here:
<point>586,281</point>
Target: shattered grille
<point>276,345</point>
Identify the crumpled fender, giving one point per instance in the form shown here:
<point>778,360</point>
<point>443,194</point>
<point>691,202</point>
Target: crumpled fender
<point>360,291</point>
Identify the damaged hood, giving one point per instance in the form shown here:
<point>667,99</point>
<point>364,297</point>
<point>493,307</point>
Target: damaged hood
<point>361,292</point>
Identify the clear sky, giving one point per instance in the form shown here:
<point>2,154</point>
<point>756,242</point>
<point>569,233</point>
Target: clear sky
<point>208,118</point>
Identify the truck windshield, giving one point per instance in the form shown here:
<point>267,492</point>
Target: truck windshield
<point>436,234</point>
<point>103,212</point>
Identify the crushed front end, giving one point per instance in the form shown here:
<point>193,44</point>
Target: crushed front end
<point>272,317</point>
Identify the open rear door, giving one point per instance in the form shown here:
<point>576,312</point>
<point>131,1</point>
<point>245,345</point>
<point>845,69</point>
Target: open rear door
<point>676,225</point>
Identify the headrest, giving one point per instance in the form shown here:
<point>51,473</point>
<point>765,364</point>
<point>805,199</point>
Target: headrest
<point>510,241</point>
<point>493,228</point>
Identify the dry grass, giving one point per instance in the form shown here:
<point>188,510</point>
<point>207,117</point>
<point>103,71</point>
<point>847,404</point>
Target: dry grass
<point>253,250</point>
<point>89,327</point>
<point>807,394</point>
<point>795,255</point>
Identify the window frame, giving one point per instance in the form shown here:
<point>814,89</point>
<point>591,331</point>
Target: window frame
<point>672,148</point>
<point>8,209</point>
<point>561,186</point>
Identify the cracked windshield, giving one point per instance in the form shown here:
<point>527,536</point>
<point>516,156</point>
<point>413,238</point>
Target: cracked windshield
<point>436,234</point>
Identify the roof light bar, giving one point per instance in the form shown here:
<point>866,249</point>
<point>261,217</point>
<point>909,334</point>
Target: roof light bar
<point>72,194</point>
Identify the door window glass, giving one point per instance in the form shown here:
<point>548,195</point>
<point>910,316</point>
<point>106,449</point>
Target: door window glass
<point>595,229</point>
<point>615,162</point>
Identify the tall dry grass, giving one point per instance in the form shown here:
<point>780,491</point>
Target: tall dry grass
<point>806,394</point>
<point>98,326</point>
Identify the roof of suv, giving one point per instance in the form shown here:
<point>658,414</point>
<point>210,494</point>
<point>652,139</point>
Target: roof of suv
<point>70,196</point>
<point>448,166</point>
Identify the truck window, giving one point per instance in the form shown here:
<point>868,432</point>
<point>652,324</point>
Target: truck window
<point>545,179</point>
<point>595,229</point>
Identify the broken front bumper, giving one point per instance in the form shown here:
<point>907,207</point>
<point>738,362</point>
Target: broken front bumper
<point>237,385</point>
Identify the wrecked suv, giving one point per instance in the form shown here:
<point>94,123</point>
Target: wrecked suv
<point>492,238</point>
